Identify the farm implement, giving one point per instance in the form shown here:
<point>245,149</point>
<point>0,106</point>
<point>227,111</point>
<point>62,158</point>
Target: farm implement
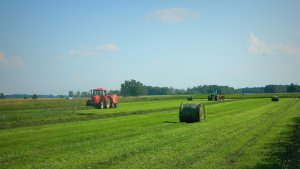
<point>215,97</point>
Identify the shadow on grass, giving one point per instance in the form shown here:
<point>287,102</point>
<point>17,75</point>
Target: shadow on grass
<point>285,152</point>
<point>170,122</point>
<point>86,114</point>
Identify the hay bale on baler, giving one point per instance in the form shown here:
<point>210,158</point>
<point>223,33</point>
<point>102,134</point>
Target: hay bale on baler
<point>190,113</point>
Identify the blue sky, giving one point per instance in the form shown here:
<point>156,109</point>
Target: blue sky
<point>53,46</point>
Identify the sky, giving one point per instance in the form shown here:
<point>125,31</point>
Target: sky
<point>53,46</point>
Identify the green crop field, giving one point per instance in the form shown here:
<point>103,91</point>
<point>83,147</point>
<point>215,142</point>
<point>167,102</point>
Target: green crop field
<point>146,133</point>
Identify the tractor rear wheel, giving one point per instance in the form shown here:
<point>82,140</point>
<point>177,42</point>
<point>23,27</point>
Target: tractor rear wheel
<point>99,105</point>
<point>111,104</point>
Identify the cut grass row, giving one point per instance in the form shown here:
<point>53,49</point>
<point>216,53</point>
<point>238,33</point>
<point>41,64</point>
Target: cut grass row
<point>30,117</point>
<point>29,104</point>
<point>22,104</point>
<point>238,134</point>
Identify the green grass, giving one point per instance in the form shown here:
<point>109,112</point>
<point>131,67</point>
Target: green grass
<point>21,104</point>
<point>254,133</point>
<point>252,95</point>
<point>50,111</point>
<point>144,106</point>
<point>29,104</point>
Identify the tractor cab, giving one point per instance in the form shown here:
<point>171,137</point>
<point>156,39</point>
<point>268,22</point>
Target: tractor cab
<point>98,91</point>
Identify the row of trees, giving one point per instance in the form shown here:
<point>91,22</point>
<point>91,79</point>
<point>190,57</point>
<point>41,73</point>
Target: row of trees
<point>150,90</point>
<point>272,89</point>
<point>206,89</point>
<point>252,90</point>
<point>78,94</point>
<point>25,96</point>
<point>136,88</point>
<point>282,88</point>
<point>132,88</point>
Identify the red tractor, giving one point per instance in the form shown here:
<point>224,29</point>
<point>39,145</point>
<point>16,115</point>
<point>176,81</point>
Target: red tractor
<point>101,100</point>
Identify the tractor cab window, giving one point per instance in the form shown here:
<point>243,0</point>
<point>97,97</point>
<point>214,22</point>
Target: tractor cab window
<point>98,92</point>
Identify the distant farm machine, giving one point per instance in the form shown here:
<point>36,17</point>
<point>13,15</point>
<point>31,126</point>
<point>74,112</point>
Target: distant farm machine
<point>100,99</point>
<point>214,96</point>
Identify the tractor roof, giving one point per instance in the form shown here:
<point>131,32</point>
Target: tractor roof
<point>102,89</point>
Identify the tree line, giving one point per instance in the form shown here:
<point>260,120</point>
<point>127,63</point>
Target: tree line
<point>26,96</point>
<point>206,89</point>
<point>282,88</point>
<point>135,88</point>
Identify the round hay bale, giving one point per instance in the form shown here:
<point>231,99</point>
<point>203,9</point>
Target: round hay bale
<point>189,113</point>
<point>189,98</point>
<point>275,98</point>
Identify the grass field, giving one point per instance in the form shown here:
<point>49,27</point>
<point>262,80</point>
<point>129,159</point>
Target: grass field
<point>248,133</point>
<point>49,111</point>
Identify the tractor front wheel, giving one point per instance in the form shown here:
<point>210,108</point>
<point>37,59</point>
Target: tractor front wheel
<point>88,103</point>
<point>107,103</point>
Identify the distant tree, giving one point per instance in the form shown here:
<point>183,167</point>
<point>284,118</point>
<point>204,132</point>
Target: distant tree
<point>281,88</point>
<point>275,89</point>
<point>60,96</point>
<point>2,96</point>
<point>25,96</point>
<point>293,88</point>
<point>173,91</point>
<point>85,94</point>
<point>71,93</point>
<point>269,89</point>
<point>34,96</point>
<point>51,96</point>
<point>77,95</point>
<point>205,89</point>
<point>115,92</point>
<point>157,90</point>
<point>252,90</point>
<point>132,88</point>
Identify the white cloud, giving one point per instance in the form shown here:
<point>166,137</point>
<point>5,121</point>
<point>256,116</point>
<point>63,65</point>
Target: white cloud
<point>258,46</point>
<point>94,51</point>
<point>109,47</point>
<point>83,51</point>
<point>13,61</point>
<point>288,49</point>
<point>174,14</point>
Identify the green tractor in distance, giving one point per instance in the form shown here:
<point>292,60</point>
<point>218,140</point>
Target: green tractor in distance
<point>214,96</point>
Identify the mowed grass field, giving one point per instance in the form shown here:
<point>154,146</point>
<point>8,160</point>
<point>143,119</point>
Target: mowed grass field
<point>248,133</point>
